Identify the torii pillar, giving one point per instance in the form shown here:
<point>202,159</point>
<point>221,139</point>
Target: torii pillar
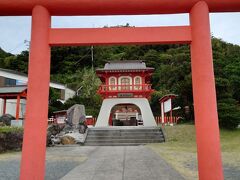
<point>204,94</point>
<point>34,141</point>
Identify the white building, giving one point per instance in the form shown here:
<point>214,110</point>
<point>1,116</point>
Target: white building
<point>13,82</point>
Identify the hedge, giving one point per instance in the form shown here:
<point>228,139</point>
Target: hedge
<point>10,138</point>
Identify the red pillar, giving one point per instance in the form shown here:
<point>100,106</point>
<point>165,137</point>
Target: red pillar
<point>171,119</point>
<point>4,106</point>
<point>34,142</point>
<point>204,93</point>
<point>17,107</point>
<point>110,122</point>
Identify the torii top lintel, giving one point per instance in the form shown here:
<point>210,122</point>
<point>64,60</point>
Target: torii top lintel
<point>112,7</point>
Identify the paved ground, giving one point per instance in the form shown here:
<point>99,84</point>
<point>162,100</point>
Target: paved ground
<point>108,163</point>
<point>96,163</point>
<point>123,163</point>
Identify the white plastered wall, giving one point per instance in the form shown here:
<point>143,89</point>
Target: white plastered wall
<point>142,103</point>
<point>11,107</point>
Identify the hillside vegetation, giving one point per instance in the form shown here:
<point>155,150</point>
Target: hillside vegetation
<point>72,66</point>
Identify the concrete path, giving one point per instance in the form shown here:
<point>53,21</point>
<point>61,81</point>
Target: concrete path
<point>123,163</point>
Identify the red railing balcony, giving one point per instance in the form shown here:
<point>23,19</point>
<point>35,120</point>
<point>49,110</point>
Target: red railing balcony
<point>125,88</point>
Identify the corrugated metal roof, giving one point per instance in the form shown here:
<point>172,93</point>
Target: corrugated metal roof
<point>130,64</point>
<point>8,73</point>
<point>13,89</point>
<point>13,72</point>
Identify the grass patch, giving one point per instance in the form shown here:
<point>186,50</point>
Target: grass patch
<point>180,149</point>
<point>181,137</point>
<point>230,145</point>
<point>230,140</point>
<point>9,129</point>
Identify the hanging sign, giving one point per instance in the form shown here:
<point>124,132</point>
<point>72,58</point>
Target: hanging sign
<point>168,105</point>
<point>125,95</point>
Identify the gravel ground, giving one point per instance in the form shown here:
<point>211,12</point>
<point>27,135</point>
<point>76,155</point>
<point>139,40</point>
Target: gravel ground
<point>231,173</point>
<point>9,170</point>
<point>59,162</point>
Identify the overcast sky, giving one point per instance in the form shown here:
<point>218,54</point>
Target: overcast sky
<point>15,30</point>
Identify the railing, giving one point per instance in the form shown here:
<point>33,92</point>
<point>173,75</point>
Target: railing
<point>89,121</point>
<point>125,88</point>
<point>51,120</point>
<point>167,120</point>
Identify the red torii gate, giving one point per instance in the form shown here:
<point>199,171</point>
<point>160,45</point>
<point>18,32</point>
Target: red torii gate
<point>43,37</point>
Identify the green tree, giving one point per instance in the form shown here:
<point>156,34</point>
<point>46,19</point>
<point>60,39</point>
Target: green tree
<point>72,66</point>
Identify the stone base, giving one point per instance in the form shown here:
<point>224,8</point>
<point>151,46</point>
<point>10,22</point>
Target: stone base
<point>17,123</point>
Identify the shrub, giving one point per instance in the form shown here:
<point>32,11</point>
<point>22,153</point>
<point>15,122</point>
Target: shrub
<point>10,138</point>
<point>229,114</point>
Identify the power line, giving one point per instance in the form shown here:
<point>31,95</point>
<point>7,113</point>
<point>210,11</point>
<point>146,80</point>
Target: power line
<point>19,45</point>
<point>87,53</point>
<point>82,57</point>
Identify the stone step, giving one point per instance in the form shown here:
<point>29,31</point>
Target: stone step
<point>114,144</point>
<point>125,131</point>
<point>123,136</point>
<point>137,130</point>
<point>126,137</point>
<point>126,141</point>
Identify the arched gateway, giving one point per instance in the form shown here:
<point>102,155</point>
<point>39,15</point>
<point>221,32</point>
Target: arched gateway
<point>125,82</point>
<point>197,34</point>
<point>143,104</point>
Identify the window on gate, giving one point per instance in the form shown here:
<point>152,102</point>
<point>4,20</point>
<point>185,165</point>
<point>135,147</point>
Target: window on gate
<point>137,82</point>
<point>125,84</point>
<point>112,83</point>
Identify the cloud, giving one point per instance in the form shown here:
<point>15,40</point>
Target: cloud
<point>14,30</point>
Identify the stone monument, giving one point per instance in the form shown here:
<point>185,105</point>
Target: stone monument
<point>76,115</point>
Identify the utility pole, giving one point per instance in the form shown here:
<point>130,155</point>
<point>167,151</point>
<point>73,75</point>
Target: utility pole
<point>92,56</point>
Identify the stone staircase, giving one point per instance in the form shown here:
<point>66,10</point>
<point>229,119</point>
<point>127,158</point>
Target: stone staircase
<point>123,136</point>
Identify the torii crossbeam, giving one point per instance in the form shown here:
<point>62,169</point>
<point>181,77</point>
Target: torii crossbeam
<point>43,37</point>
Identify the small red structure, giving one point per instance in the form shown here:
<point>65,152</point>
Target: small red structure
<point>15,92</point>
<point>60,116</point>
<point>90,120</point>
<point>166,106</point>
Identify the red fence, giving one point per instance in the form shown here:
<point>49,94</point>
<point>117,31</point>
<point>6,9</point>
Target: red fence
<point>89,121</point>
<point>51,120</point>
<point>158,119</point>
<point>167,120</point>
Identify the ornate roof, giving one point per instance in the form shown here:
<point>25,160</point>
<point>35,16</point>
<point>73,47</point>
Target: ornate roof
<point>125,65</point>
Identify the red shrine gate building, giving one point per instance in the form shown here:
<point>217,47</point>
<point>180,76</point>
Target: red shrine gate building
<point>125,90</point>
